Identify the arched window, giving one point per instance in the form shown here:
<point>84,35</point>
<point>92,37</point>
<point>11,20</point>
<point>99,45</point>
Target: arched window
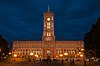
<point>48,34</point>
<point>48,25</point>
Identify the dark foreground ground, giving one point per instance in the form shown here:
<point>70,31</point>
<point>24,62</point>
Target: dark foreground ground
<point>41,63</point>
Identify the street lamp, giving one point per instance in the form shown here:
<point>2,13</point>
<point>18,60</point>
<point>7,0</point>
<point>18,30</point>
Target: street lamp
<point>56,56</point>
<point>81,55</point>
<point>80,52</point>
<point>82,49</point>
<point>3,54</point>
<point>30,58</point>
<point>9,53</point>
<point>61,55</point>
<point>65,54</point>
<point>31,54</point>
<point>15,55</point>
<point>36,55</point>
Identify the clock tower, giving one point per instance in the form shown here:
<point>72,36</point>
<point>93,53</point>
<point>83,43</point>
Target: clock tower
<point>48,38</point>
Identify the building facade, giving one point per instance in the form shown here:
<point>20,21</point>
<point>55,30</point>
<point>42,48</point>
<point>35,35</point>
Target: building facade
<point>48,47</point>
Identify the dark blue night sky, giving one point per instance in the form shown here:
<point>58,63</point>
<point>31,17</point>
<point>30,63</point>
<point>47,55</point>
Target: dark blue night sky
<point>23,19</point>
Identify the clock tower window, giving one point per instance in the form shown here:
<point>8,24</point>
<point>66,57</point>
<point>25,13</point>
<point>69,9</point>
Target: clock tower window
<point>48,25</point>
<point>48,34</point>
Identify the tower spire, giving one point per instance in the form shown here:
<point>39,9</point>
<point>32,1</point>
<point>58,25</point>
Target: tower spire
<point>48,8</point>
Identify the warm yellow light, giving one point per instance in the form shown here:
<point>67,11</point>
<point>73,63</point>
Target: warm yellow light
<point>9,53</point>
<point>56,56</point>
<point>36,55</point>
<point>82,49</point>
<point>65,53</point>
<point>5,57</point>
<point>79,52</point>
<point>15,55</point>
<point>81,55</point>
<point>31,53</point>
<point>61,55</point>
<point>3,54</point>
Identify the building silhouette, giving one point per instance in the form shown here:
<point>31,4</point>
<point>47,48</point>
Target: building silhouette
<point>92,39</point>
<point>48,48</point>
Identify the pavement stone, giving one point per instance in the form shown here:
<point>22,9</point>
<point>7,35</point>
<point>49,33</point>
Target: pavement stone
<point>41,63</point>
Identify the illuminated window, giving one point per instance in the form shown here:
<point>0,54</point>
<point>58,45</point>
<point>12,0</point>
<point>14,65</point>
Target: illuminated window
<point>52,25</point>
<point>44,25</point>
<point>48,34</point>
<point>13,45</point>
<point>48,51</point>
<point>48,25</point>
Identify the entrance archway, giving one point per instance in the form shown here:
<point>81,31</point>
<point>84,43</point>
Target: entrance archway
<point>48,57</point>
<point>48,54</point>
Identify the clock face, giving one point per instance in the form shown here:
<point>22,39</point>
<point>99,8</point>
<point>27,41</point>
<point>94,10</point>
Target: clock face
<point>48,19</point>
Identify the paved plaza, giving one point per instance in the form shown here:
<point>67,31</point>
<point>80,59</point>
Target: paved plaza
<point>54,63</point>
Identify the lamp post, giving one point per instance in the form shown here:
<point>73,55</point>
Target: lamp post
<point>15,55</point>
<point>82,49</point>
<point>84,56</point>
<point>9,53</point>
<point>61,55</point>
<point>56,57</point>
<point>10,56</point>
<point>36,56</point>
<point>66,54</point>
<point>81,55</point>
<point>31,54</point>
<point>91,53</point>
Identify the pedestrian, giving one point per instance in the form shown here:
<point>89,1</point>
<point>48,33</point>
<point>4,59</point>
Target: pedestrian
<point>62,60</point>
<point>50,61</point>
<point>73,62</point>
<point>84,63</point>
